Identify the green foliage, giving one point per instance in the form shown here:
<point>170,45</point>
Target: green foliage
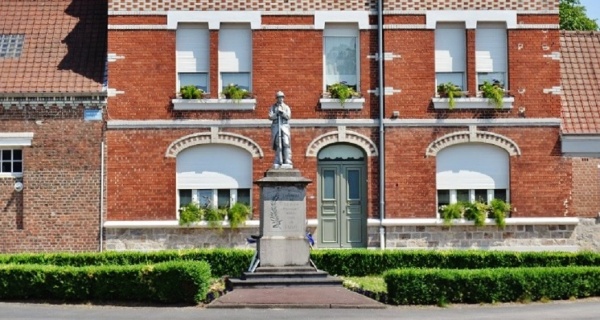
<point>498,210</point>
<point>234,92</point>
<point>476,212</point>
<point>190,213</point>
<point>494,92</point>
<point>449,90</point>
<point>168,282</point>
<point>452,211</point>
<point>573,16</point>
<point>364,262</point>
<point>342,91</point>
<point>190,92</point>
<point>214,217</point>
<point>238,213</point>
<point>442,286</point>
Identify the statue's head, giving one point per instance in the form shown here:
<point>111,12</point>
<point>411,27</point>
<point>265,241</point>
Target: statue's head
<point>279,94</point>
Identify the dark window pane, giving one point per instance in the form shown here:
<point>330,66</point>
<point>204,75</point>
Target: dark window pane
<point>481,195</point>
<point>462,195</point>
<point>243,196</point>
<point>353,185</point>
<point>5,166</point>
<point>185,197</point>
<point>6,155</point>
<point>17,155</point>
<point>205,198</point>
<point>223,198</point>
<point>500,194</point>
<point>443,197</point>
<point>17,167</point>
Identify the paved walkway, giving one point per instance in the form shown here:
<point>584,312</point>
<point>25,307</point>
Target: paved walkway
<point>295,297</point>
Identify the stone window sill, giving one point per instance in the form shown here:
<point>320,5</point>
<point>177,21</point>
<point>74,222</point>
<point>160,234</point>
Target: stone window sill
<point>470,103</point>
<point>349,104</point>
<point>214,104</point>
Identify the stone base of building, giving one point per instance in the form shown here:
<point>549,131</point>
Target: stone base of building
<point>536,237</point>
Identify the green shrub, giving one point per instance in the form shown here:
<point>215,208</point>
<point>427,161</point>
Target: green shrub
<point>189,214</point>
<point>167,282</point>
<point>190,92</point>
<point>435,286</point>
<point>342,91</point>
<point>234,92</point>
<point>238,213</point>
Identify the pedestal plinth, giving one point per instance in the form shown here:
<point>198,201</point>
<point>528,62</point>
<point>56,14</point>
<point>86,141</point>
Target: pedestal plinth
<point>283,219</point>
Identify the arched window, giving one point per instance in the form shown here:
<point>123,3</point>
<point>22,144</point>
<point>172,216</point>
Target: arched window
<point>472,172</point>
<point>215,175</point>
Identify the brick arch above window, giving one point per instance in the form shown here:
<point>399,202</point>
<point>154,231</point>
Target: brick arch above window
<point>473,135</point>
<point>214,136</point>
<point>342,135</point>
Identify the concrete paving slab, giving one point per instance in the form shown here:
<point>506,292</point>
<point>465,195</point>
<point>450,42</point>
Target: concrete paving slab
<point>295,297</point>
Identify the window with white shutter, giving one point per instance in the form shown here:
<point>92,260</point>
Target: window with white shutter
<point>472,172</point>
<point>491,53</point>
<point>193,55</point>
<point>235,55</point>
<point>450,54</point>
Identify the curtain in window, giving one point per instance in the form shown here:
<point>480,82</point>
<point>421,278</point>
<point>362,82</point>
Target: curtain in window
<point>340,60</point>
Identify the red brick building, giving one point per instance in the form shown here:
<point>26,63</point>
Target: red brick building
<point>381,163</point>
<point>52,70</point>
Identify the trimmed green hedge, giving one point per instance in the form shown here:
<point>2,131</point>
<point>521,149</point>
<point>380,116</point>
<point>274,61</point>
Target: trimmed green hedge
<point>441,286</point>
<point>363,262</point>
<point>167,282</point>
<point>223,262</point>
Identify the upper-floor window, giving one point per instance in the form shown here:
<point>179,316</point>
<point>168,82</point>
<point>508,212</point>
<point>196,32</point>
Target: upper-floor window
<point>11,162</point>
<point>491,53</point>
<point>193,56</point>
<point>340,54</point>
<point>235,55</point>
<point>450,54</point>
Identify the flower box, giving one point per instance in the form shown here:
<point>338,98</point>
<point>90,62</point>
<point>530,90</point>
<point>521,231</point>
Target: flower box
<point>335,104</point>
<point>471,103</point>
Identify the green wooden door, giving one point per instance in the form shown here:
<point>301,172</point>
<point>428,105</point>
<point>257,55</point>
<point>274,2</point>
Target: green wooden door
<point>342,216</point>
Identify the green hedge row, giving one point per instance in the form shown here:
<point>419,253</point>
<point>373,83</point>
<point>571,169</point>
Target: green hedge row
<point>363,262</point>
<point>441,286</point>
<point>223,262</point>
<point>167,282</point>
<point>354,262</point>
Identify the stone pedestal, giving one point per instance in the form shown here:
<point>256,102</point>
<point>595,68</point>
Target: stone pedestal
<point>283,219</point>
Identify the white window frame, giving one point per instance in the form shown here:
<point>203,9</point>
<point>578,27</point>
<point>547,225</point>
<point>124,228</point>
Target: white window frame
<point>15,141</point>
<point>451,53</point>
<point>491,52</point>
<point>214,197</point>
<point>341,30</point>
<point>193,53</point>
<point>235,53</point>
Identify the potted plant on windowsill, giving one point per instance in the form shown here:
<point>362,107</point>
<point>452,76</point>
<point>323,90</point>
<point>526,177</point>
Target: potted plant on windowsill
<point>494,92</point>
<point>476,211</point>
<point>341,95</point>
<point>449,90</point>
<point>234,92</point>
<point>236,215</point>
<point>191,92</point>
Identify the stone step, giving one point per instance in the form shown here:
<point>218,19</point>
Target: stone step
<point>285,274</point>
<point>282,281</point>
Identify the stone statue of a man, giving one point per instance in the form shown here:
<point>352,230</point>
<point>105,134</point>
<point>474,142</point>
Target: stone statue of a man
<point>280,115</point>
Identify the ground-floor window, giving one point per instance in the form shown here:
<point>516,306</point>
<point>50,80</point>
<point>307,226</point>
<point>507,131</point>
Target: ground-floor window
<point>472,172</point>
<point>214,175</point>
<point>11,162</point>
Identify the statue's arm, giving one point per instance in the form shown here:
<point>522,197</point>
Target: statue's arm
<point>272,113</point>
<point>286,112</point>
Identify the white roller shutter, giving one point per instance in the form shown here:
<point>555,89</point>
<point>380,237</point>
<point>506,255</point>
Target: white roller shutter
<point>214,167</point>
<point>450,47</point>
<point>235,48</point>
<point>193,48</point>
<point>491,47</point>
<point>472,166</point>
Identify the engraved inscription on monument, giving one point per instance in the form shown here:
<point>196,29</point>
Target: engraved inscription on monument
<point>285,210</point>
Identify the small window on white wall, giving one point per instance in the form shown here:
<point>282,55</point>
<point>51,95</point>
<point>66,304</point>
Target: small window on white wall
<point>472,172</point>
<point>235,55</point>
<point>193,55</point>
<point>340,54</point>
<point>450,54</point>
<point>491,53</point>
<point>214,175</point>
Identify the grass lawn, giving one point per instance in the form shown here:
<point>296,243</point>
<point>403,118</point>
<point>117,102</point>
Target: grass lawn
<point>370,283</point>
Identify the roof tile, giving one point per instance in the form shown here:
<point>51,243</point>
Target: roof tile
<point>64,49</point>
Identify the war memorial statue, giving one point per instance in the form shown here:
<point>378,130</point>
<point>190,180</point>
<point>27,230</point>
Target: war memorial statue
<point>280,114</point>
